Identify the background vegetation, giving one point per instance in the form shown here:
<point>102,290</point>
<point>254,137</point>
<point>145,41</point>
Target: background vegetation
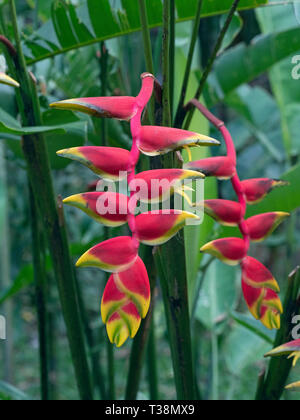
<point>250,86</point>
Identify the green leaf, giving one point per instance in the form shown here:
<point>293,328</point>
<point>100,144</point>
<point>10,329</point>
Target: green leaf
<point>99,20</point>
<point>242,64</point>
<point>254,326</point>
<point>218,295</point>
<point>284,85</point>
<point>243,348</point>
<point>9,392</point>
<point>234,29</point>
<point>262,117</point>
<point>24,279</point>
<point>9,125</point>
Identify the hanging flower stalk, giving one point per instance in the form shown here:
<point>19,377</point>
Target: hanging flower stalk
<point>260,289</point>
<point>292,350</point>
<point>126,298</point>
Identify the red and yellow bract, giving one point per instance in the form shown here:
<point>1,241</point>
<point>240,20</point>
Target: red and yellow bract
<point>126,297</point>
<point>259,287</point>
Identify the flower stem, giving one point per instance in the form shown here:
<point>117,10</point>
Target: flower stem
<point>41,297</point>
<point>172,53</point>
<point>279,368</point>
<point>212,59</point>
<point>180,108</point>
<point>36,156</point>
<point>166,120</point>
<point>152,364</point>
<point>147,50</point>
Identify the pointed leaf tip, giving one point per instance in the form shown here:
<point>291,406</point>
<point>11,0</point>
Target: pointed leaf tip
<point>121,108</point>
<point>156,228</point>
<point>113,255</point>
<point>229,250</point>
<point>110,163</point>
<point>220,167</point>
<point>263,225</point>
<point>7,80</point>
<point>107,208</point>
<point>258,188</point>
<point>156,141</point>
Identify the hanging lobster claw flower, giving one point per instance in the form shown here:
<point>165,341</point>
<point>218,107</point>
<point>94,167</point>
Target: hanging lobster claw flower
<point>222,167</point>
<point>108,208</point>
<point>125,302</point>
<point>115,255</point>
<point>108,162</point>
<point>119,107</point>
<point>157,185</point>
<point>257,189</point>
<point>256,275</point>
<point>156,141</point>
<point>6,80</point>
<point>262,226</point>
<point>229,250</point>
<point>227,213</point>
<point>157,228</point>
<point>264,304</point>
<point>291,349</point>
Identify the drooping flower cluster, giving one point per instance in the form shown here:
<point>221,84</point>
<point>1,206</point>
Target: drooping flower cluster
<point>292,350</point>
<point>258,284</point>
<point>126,297</point>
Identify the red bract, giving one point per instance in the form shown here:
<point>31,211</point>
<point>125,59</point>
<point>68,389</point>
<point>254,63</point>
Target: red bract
<point>119,107</point>
<point>227,213</point>
<point>157,185</point>
<point>259,286</point>
<point>125,302</point>
<point>291,349</point>
<point>264,304</point>
<point>108,162</point>
<point>256,190</point>
<point>262,226</point>
<point>229,250</point>
<point>127,294</point>
<point>256,275</point>
<point>108,208</point>
<point>115,255</point>
<point>154,141</point>
<point>221,167</point>
<point>156,228</point>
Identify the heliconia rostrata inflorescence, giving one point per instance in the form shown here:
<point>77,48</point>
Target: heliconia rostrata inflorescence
<point>259,287</point>
<point>126,297</point>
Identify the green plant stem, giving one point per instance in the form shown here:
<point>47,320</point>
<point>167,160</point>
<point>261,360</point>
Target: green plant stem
<point>139,344</point>
<point>5,279</point>
<point>36,156</point>
<point>180,110</point>
<point>152,364</point>
<point>172,269</point>
<point>40,278</point>
<point>279,368</point>
<point>110,370</point>
<point>166,120</point>
<point>212,59</point>
<point>172,52</point>
<point>171,263</point>
<point>147,50</point>
<point>97,374</point>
